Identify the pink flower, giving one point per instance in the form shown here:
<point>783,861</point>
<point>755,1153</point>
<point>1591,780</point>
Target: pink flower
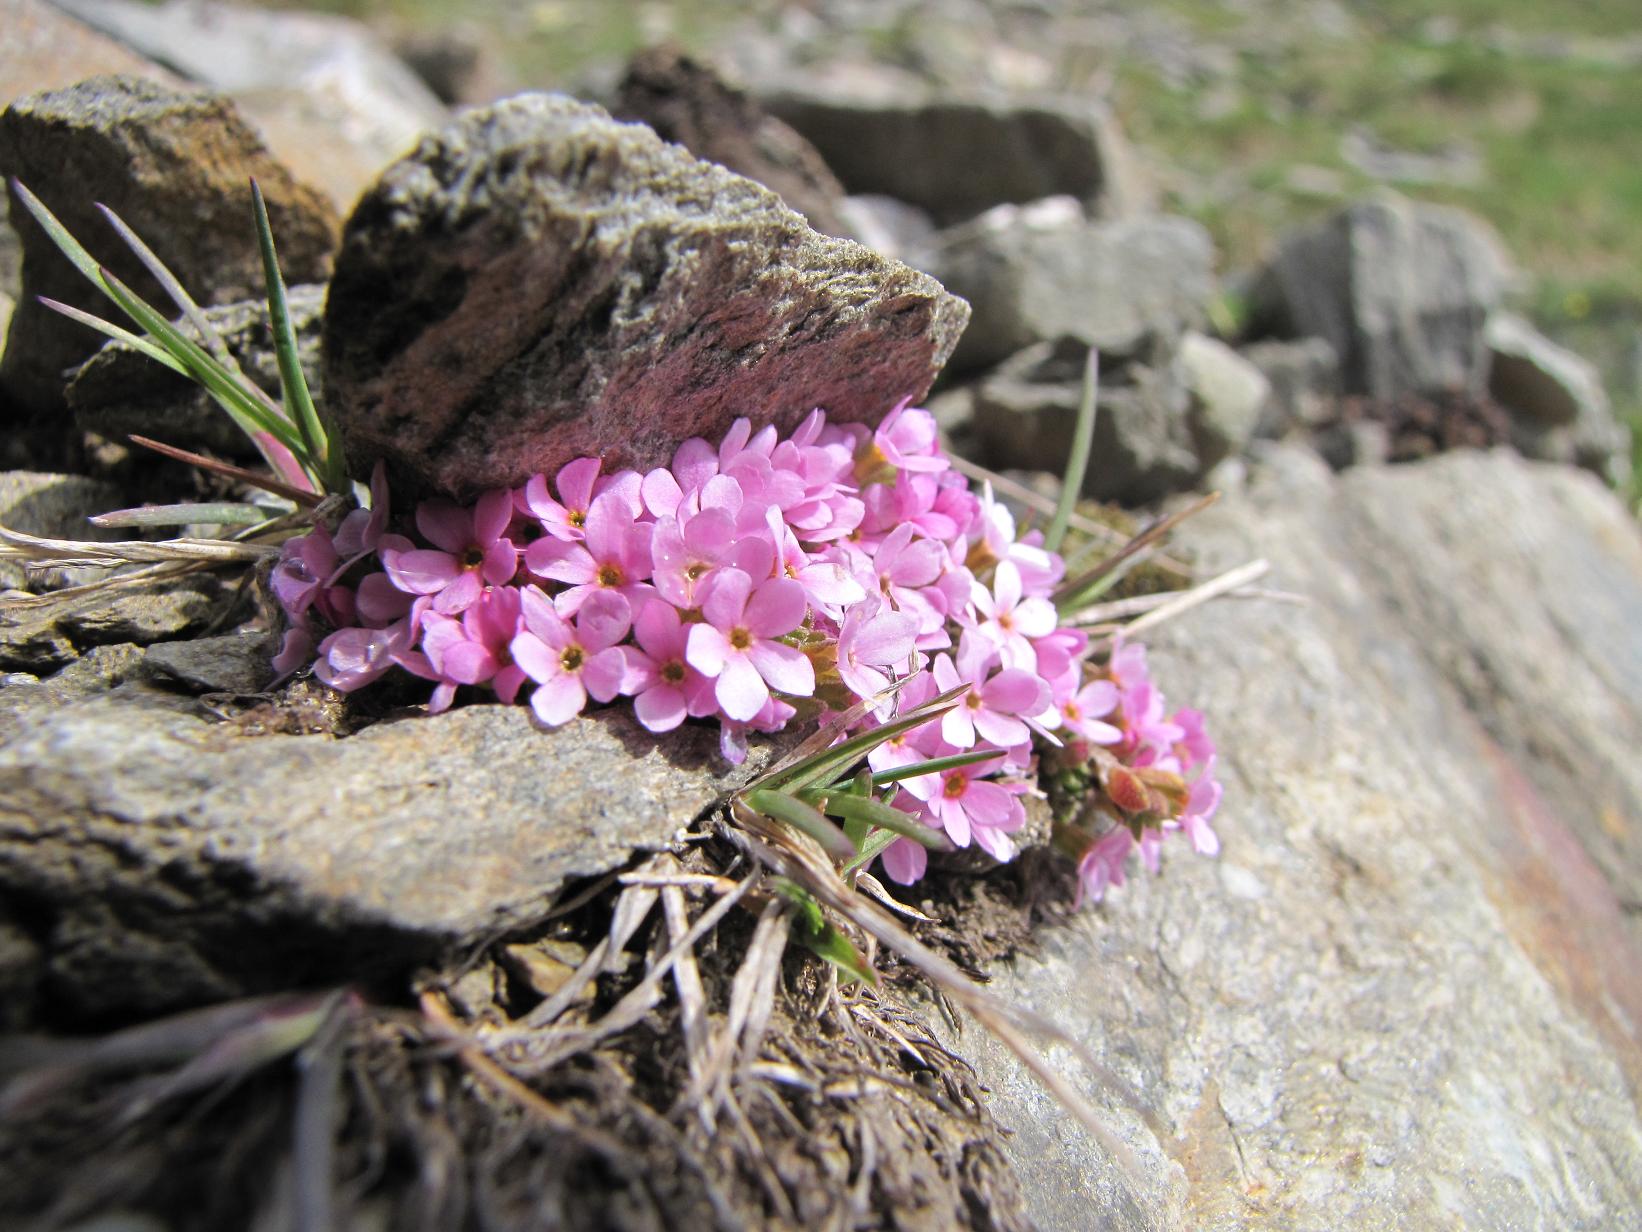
<point>352,658</point>
<point>1081,713</point>
<point>475,648</point>
<point>872,637</point>
<point>1201,804</point>
<point>909,441</point>
<point>564,518</point>
<point>970,808</point>
<point>686,549</point>
<point>614,557</point>
<point>737,647</point>
<point>665,688</point>
<point>1101,866</point>
<point>570,662</point>
<point>470,551</point>
<point>1010,621</point>
<point>995,704</point>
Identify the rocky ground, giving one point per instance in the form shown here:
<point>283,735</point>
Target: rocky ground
<point>1404,995</point>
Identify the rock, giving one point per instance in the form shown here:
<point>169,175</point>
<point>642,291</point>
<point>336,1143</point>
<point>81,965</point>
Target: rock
<point>956,157</point>
<point>888,226</point>
<point>172,861</point>
<point>1304,376</point>
<point>1228,395</point>
<point>331,99</point>
<point>232,663</point>
<point>44,638</point>
<point>1408,993</point>
<point>538,282</point>
<point>1400,291</point>
<point>461,63</point>
<point>119,391</point>
<point>46,49</point>
<point>1144,445</point>
<point>1040,272</point>
<point>1556,400</point>
<point>686,102</point>
<point>53,507</point>
<point>174,165</point>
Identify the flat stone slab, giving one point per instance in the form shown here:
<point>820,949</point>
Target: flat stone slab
<point>1408,994</point>
<point>163,858</point>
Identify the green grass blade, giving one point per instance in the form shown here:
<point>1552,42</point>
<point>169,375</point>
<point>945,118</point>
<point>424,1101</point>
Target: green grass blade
<point>142,345</point>
<point>299,403</point>
<point>66,243</point>
<point>820,936</point>
<point>170,283</point>
<point>1077,462</point>
<point>218,381</point>
<point>874,847</point>
<point>802,817</point>
<point>829,763</point>
<point>934,765</point>
<point>876,812</point>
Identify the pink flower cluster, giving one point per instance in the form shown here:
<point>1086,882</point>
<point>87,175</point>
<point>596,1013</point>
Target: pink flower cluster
<point>730,586</point>
<point>1158,774</point>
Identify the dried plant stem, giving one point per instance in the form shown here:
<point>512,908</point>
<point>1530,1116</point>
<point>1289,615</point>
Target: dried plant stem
<point>1185,600</point>
<point>36,552</point>
<point>1136,605</point>
<point>1146,537</point>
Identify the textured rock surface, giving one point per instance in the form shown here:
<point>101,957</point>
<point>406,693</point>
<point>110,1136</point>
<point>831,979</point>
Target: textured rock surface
<point>330,98</point>
<point>161,858</point>
<point>1041,273</point>
<point>1146,437</point>
<point>957,157</point>
<point>45,49</point>
<point>686,102</point>
<point>1400,290</point>
<point>174,165</point>
<point>42,639</point>
<point>53,507</point>
<point>538,282</point>
<point>1561,411</point>
<point>119,391</point>
<point>1409,992</point>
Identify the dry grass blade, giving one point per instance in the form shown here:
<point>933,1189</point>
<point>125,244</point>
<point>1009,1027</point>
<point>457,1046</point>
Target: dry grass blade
<point>135,579</point>
<point>238,473</point>
<point>1137,605</point>
<point>692,997</point>
<point>1186,600</point>
<point>1144,539</point>
<point>36,552</point>
<point>1010,1024</point>
<point>1045,506</point>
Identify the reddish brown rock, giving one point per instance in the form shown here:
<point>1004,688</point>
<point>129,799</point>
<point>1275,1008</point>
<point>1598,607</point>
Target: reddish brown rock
<point>538,282</point>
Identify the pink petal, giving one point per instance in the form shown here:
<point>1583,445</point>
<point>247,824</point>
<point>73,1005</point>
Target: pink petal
<point>905,861</point>
<point>988,804</point>
<point>447,525</point>
<point>603,673</point>
<point>1035,618</point>
<point>508,682</point>
<point>1001,729</point>
<point>559,699</point>
<point>953,819</point>
<point>603,619</point>
<point>787,669</point>
<point>460,595</point>
<point>741,691</point>
<point>777,607</point>
<point>724,597</point>
<point>501,562</point>
<point>563,562</point>
<point>492,514</point>
<point>469,663</point>
<point>1014,691</point>
<point>706,649</point>
<point>660,709</point>
<point>421,571</point>
<point>575,482</point>
<point>535,658</point>
<point>661,493</point>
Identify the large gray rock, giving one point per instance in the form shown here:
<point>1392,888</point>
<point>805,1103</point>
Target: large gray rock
<point>1304,376</point>
<point>1041,272</point>
<point>538,282</point>
<point>170,860</point>
<point>1228,395</point>
<point>331,99</point>
<point>956,157</point>
<point>1149,438</point>
<point>1408,994</point>
<point>1556,400</point>
<point>1400,290</point>
<point>174,165</point>
<point>120,391</point>
<point>46,637</point>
